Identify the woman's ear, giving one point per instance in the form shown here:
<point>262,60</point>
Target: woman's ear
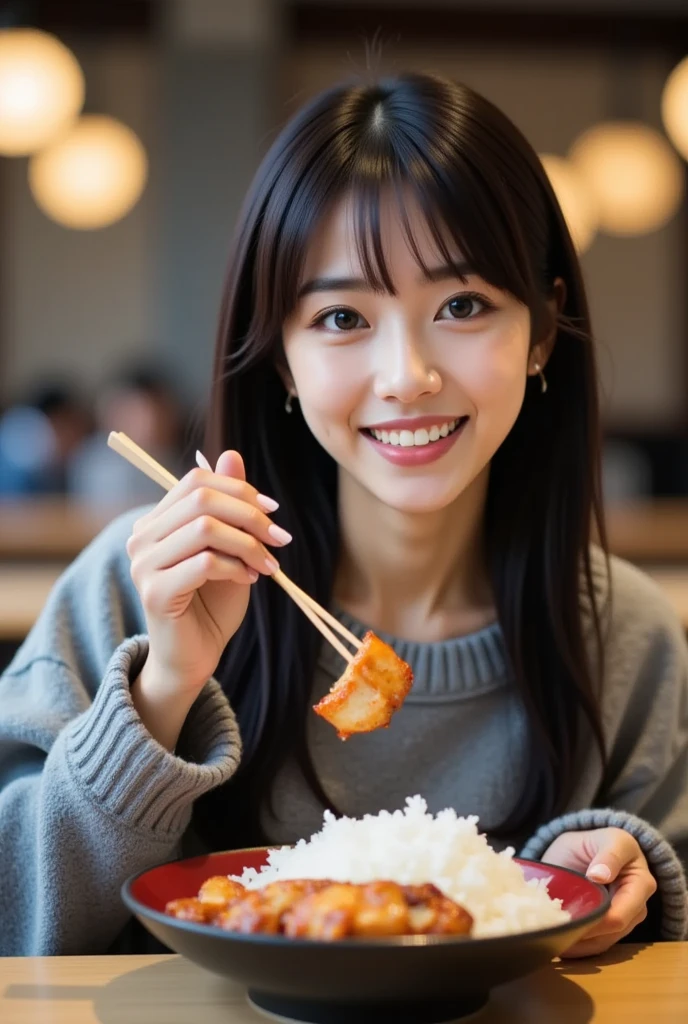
<point>557,299</point>
<point>542,349</point>
<point>286,377</point>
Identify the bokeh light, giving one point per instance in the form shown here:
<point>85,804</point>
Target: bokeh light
<point>92,177</point>
<point>633,174</point>
<point>575,199</point>
<point>675,107</point>
<point>41,90</point>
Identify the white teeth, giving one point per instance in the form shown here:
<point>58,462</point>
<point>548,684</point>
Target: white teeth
<point>415,438</point>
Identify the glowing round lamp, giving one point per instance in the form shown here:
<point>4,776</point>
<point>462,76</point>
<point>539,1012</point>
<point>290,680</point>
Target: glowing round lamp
<point>675,107</point>
<point>41,90</point>
<point>575,199</point>
<point>634,175</point>
<point>92,177</point>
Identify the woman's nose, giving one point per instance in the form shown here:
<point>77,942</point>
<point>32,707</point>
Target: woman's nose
<point>404,373</point>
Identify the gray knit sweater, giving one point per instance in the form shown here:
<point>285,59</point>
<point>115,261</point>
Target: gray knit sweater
<point>88,797</point>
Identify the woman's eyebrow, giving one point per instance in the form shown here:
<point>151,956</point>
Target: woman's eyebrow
<point>459,269</point>
<point>444,272</point>
<point>333,284</point>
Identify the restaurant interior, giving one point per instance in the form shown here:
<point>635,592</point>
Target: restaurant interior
<point>129,133</point>
<point>110,281</point>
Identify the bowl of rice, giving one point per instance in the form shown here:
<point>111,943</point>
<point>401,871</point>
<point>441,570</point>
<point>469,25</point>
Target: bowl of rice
<point>524,914</point>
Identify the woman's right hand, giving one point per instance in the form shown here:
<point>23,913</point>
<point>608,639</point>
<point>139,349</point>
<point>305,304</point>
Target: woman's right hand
<point>193,560</point>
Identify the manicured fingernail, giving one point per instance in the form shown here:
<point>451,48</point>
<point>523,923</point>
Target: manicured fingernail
<point>272,564</point>
<point>279,535</point>
<point>600,873</point>
<point>268,504</point>
<point>253,575</point>
<point>202,461</point>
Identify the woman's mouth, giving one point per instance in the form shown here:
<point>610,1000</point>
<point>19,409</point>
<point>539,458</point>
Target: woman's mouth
<point>418,447</point>
<point>417,438</point>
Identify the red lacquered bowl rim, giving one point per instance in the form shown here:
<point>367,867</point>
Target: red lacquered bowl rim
<point>144,911</point>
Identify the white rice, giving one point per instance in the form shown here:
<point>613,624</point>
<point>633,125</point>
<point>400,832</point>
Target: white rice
<point>412,847</point>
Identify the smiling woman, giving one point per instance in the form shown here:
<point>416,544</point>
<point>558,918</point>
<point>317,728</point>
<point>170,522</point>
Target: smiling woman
<point>401,284</point>
<point>402,256</point>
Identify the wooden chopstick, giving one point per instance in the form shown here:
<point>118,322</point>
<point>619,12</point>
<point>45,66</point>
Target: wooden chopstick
<point>124,446</point>
<point>285,582</point>
<point>310,613</point>
<point>318,615</point>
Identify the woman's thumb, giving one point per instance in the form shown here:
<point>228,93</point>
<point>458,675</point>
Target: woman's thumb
<point>607,862</point>
<point>231,464</point>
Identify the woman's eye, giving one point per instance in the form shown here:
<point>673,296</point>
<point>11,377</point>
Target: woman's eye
<point>463,307</point>
<point>341,320</point>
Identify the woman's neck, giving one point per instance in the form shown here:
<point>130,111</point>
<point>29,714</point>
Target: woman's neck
<point>418,576</point>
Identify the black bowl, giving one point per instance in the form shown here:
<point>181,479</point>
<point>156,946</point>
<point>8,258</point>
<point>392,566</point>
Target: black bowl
<point>405,980</point>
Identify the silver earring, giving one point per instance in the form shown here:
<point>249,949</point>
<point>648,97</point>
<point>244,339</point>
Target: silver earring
<point>287,405</point>
<point>543,379</point>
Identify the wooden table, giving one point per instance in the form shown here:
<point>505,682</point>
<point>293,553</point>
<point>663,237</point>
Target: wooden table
<point>630,985</point>
<point>48,528</point>
<point>39,537</point>
<point>24,589</point>
<point>54,528</point>
<point>23,592</point>
<point>652,531</point>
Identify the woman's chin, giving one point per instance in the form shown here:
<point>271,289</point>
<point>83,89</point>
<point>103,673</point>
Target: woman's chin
<point>426,491</point>
<point>415,499</point>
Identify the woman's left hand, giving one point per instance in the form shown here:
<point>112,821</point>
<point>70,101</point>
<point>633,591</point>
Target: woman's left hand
<point>614,858</point>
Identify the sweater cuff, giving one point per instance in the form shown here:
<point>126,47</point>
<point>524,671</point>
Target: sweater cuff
<point>127,773</point>
<point>660,855</point>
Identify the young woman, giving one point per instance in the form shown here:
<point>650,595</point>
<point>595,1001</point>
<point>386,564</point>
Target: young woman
<point>405,382</point>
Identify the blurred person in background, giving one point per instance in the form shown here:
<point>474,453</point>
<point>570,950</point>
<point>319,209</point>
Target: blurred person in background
<point>38,438</point>
<point>626,473</point>
<point>141,403</point>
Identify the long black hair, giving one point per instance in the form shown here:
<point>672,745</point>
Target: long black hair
<point>479,183</point>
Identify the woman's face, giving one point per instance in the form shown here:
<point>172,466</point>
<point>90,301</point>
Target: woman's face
<point>413,393</point>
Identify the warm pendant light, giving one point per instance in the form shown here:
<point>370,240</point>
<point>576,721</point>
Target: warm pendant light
<point>574,197</point>
<point>633,174</point>
<point>41,90</point>
<point>93,176</point>
<point>675,107</point>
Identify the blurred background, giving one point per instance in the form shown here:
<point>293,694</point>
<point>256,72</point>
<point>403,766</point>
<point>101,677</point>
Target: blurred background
<point>129,132</point>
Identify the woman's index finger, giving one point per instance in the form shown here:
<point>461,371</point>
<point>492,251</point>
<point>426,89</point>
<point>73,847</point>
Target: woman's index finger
<point>195,478</point>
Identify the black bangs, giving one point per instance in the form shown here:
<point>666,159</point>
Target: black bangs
<point>458,237</point>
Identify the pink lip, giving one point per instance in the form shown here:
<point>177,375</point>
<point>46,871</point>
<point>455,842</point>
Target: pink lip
<point>412,423</point>
<point>422,455</point>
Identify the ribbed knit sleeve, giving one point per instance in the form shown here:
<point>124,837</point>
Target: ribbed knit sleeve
<point>87,796</point>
